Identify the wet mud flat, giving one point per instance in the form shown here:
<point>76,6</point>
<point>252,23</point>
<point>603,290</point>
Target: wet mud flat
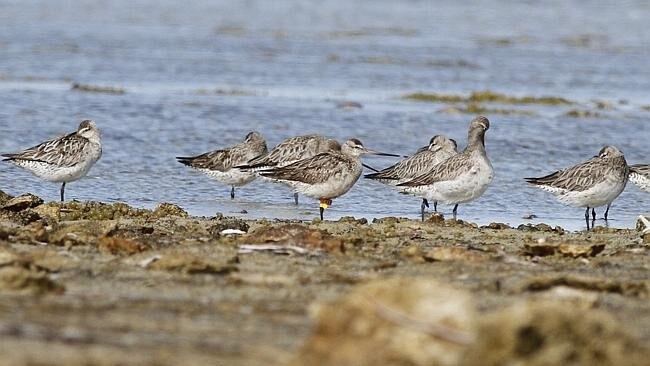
<point>92,283</point>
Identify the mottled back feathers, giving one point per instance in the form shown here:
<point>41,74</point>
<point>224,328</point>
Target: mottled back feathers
<point>225,159</point>
<point>314,170</point>
<point>292,150</point>
<point>419,163</point>
<point>65,151</point>
<point>585,175</point>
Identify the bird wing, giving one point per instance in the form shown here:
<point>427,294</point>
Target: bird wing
<point>317,169</point>
<point>576,178</point>
<point>220,160</point>
<point>411,167</point>
<point>449,169</point>
<point>640,175</point>
<point>65,151</point>
<point>641,169</point>
<point>292,149</point>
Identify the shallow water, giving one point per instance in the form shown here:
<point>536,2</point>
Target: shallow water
<point>201,76</point>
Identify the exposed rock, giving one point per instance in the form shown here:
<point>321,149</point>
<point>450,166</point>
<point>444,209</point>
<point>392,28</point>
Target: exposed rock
<point>551,333</point>
<point>455,254</point>
<point>398,322</point>
<point>181,261</point>
<point>122,246</point>
<point>8,229</point>
<point>22,202</point>
<point>70,211</point>
<point>18,274</point>
<point>168,209</point>
<point>627,288</point>
<point>4,197</point>
<point>436,218</point>
<point>386,220</point>
<point>568,249</point>
<point>353,220</point>
<point>32,232</point>
<point>460,223</point>
<point>299,235</point>
<point>497,226</point>
<point>15,279</point>
<point>413,253</point>
<point>225,223</point>
<point>83,232</point>
<point>540,227</point>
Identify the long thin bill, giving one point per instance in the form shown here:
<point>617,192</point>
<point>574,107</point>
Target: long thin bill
<point>369,167</point>
<point>373,152</point>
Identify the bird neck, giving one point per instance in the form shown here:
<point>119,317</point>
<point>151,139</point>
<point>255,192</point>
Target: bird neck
<point>476,140</point>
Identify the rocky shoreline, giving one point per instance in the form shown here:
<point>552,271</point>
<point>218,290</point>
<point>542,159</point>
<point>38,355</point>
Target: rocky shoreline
<point>95,283</point>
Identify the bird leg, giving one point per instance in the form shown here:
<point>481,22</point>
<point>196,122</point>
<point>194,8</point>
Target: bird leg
<point>593,213</point>
<point>295,198</point>
<point>587,217</point>
<point>435,206</point>
<point>324,203</point>
<point>455,211</point>
<point>232,193</point>
<point>424,204</point>
<point>62,191</point>
<point>607,211</point>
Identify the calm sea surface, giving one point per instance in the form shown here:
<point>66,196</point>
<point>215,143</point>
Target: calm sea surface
<point>199,75</point>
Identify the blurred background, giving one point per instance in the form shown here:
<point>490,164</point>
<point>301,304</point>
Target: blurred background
<point>167,78</point>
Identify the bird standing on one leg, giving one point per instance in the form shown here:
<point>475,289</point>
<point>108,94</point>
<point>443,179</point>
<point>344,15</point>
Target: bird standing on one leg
<point>64,159</point>
<point>594,183</point>
<point>221,164</point>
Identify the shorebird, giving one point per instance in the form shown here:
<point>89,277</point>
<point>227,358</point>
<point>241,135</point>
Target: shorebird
<point>291,150</point>
<point>461,178</point>
<point>325,176</point>
<point>221,164</point>
<point>63,159</point>
<point>440,149</point>
<point>593,183</point>
<point>640,175</point>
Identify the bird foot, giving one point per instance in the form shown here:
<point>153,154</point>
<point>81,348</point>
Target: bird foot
<point>646,224</point>
<point>325,202</point>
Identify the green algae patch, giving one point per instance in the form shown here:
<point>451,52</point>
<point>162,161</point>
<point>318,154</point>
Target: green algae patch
<point>493,97</point>
<point>434,97</point>
<point>104,89</point>
<point>233,92</point>
<point>476,108</point>
<point>487,96</point>
<point>577,113</point>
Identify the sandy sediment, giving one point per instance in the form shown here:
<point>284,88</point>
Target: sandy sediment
<point>93,283</point>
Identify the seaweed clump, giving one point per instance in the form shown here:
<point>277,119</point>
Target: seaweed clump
<point>487,96</point>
